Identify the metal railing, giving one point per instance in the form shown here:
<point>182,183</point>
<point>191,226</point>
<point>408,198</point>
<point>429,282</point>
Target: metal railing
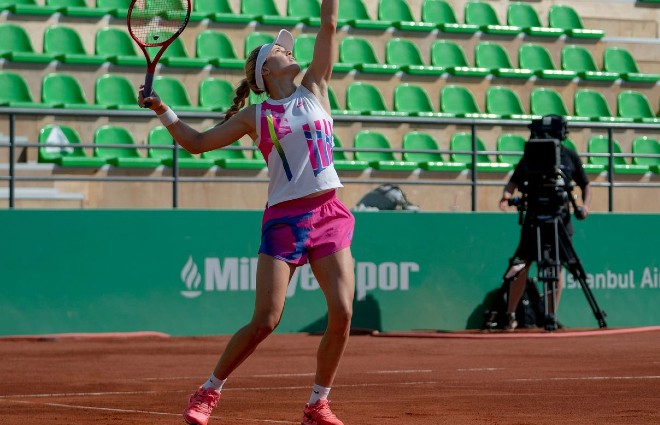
<point>474,124</point>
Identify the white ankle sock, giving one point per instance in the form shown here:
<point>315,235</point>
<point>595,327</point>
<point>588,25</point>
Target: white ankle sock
<point>318,393</point>
<point>215,383</point>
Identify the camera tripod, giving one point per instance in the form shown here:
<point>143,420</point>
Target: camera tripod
<point>554,249</point>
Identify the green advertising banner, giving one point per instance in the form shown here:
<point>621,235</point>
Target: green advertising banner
<point>193,272</point>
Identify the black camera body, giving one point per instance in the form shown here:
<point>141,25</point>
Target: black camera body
<point>545,190</point>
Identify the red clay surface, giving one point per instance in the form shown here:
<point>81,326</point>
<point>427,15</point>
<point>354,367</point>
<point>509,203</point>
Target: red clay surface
<point>607,378</point>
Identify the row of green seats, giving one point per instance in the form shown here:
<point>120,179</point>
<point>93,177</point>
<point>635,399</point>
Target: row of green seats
<point>112,91</point>
<point>115,145</point>
<point>64,44</point>
<point>356,53</point>
<point>421,150</point>
<point>501,102</point>
<point>434,14</point>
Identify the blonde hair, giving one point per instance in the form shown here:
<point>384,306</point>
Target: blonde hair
<point>246,84</point>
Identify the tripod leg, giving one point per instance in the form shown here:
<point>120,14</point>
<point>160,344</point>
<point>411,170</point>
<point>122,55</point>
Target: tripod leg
<point>574,266</point>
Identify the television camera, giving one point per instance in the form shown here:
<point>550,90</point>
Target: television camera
<point>544,205</point>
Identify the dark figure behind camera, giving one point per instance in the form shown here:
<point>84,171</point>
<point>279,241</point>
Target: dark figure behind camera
<point>546,193</point>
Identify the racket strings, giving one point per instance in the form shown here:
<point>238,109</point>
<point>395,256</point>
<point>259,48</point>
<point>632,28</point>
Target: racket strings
<point>154,22</point>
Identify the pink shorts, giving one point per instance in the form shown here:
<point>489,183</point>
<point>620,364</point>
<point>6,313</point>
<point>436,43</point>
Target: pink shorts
<point>306,229</point>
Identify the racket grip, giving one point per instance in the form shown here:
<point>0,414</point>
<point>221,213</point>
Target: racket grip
<point>147,90</point>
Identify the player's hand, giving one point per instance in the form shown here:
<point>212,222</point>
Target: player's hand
<point>152,102</point>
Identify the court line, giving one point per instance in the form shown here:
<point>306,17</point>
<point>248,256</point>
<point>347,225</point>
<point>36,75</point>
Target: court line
<point>296,387</point>
<point>145,412</point>
<point>385,372</point>
<point>587,378</point>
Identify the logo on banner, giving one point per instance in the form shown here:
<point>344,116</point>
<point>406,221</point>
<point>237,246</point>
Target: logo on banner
<point>240,274</point>
<point>191,277</point>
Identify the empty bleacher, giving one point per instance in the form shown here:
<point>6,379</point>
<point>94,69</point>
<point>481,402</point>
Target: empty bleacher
<point>403,66</point>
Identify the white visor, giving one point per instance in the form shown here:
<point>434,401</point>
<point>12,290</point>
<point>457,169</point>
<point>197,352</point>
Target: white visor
<point>284,39</point>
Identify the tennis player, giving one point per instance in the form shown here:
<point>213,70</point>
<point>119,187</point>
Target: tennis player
<point>303,220</point>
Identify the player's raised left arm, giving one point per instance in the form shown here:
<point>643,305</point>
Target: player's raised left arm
<point>320,69</point>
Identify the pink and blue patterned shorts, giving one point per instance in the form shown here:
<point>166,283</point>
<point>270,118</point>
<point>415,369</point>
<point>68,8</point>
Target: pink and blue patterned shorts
<point>306,229</point>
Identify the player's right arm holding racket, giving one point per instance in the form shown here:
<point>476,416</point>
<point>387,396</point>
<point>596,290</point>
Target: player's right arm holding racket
<point>242,123</point>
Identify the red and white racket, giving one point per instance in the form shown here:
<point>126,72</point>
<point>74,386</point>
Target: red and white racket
<point>156,23</point>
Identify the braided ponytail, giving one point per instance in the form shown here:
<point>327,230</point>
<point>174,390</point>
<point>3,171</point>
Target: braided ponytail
<point>247,84</point>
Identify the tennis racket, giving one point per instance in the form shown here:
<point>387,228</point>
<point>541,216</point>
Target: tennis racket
<point>156,23</point>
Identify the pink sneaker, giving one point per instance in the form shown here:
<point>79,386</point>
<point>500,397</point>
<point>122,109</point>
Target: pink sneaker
<point>319,413</point>
<point>200,406</point>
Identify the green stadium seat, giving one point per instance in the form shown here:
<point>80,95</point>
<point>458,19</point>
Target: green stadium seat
<point>267,13</point>
<point>379,160</point>
<point>124,156</point>
<point>635,105</point>
<point>303,49</point>
<point>460,102</point>
<point>341,160</point>
<point>523,15</point>
<point>335,108</point>
<point>414,101</point>
<point>483,15</point>
<point>217,49</point>
<point>28,7</point>
<point>406,55</point>
<point>545,101</point>
<point>116,92</point>
<point>566,18</point>
<point>647,146</point>
<point>118,8</point>
<point>65,156</point>
<point>441,14</point>
<point>177,55</point>
<point>64,91</point>
<point>216,94</point>
<point>235,159</point>
<point>600,145</point>
<point>579,60</point>
<point>619,60</point>
<point>254,40</point>
<point>365,99</point>
<point>593,105</point>
<point>219,11</point>
<point>504,102</point>
<point>493,57</point>
<point>354,13</point>
<point>432,160</point>
<point>509,142</point>
<point>399,13</point>
<point>159,136</point>
<point>360,53</point>
<point>118,47</point>
<point>589,168</point>
<point>462,142</point>
<point>537,58</point>
<point>67,46</point>
<point>78,8</point>
<point>174,93</point>
<point>15,92</point>
<point>450,56</point>
<point>16,46</point>
<point>308,11</point>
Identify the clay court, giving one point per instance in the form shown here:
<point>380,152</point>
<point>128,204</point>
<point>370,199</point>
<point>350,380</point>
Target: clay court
<point>567,377</point>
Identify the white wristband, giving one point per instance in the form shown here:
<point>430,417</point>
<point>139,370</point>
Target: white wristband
<point>168,117</point>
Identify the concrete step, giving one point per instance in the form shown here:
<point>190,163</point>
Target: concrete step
<point>30,169</point>
<point>38,197</point>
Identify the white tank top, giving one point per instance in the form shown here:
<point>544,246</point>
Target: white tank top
<point>295,137</point>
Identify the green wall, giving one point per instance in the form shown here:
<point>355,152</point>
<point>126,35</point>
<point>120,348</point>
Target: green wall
<point>191,272</point>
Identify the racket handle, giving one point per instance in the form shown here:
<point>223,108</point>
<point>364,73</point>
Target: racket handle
<point>147,90</point>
